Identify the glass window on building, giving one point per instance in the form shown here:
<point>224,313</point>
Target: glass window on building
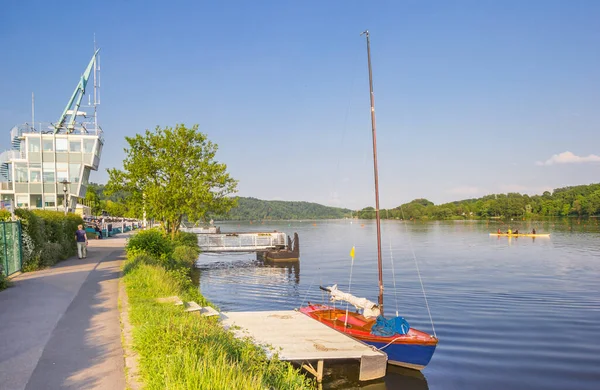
<point>36,201</point>
<point>86,177</point>
<point>75,146</point>
<point>49,200</point>
<point>47,144</point>
<point>21,173</point>
<point>62,176</point>
<point>62,145</point>
<point>88,145</point>
<point>34,144</point>
<point>48,172</point>
<point>74,172</point>
<point>62,173</point>
<point>23,201</point>
<point>35,175</point>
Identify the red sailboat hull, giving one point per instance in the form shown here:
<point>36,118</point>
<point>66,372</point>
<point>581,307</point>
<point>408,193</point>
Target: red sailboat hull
<point>412,350</point>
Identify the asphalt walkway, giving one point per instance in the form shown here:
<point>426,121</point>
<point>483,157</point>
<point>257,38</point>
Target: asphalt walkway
<point>59,327</point>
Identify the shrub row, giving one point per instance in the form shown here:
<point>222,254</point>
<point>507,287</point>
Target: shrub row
<point>3,280</point>
<point>179,350</point>
<point>48,237</point>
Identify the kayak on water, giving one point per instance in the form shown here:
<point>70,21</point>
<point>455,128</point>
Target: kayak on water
<point>520,235</point>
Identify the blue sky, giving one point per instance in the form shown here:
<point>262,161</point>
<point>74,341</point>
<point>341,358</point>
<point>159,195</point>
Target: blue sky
<point>472,97</point>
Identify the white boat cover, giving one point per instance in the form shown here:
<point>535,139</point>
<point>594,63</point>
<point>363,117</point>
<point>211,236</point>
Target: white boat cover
<point>370,309</point>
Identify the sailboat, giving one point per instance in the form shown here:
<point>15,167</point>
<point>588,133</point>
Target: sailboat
<point>404,346</point>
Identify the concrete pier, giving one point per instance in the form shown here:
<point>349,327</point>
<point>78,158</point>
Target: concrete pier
<point>294,336</point>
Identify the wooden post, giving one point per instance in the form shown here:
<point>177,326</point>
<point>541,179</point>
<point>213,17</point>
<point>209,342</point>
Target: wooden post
<point>318,373</point>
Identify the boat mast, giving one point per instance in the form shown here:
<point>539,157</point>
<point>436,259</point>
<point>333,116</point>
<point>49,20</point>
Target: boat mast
<point>378,219</point>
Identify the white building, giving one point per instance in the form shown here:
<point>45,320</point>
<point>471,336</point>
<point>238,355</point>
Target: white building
<point>49,160</point>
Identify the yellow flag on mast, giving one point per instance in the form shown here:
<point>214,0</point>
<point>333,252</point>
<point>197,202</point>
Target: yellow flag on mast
<point>352,253</point>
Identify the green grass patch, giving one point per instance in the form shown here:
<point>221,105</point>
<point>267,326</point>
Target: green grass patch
<point>179,350</point>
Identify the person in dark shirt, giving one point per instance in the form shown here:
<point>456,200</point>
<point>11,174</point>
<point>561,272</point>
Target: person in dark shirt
<point>98,231</point>
<point>81,239</point>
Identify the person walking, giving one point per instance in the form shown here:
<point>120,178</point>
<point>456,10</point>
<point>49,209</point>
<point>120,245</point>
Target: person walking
<point>82,241</point>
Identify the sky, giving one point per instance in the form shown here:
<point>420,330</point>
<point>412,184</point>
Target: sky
<point>472,97</point>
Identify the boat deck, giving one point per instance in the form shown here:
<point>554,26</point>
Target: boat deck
<point>294,336</point>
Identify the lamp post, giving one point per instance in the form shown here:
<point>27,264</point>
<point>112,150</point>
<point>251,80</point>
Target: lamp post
<point>65,190</point>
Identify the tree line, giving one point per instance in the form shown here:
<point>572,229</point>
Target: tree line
<point>257,209</point>
<point>579,201</point>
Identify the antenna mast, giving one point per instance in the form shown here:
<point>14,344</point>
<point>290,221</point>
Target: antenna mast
<point>96,85</point>
<point>33,111</point>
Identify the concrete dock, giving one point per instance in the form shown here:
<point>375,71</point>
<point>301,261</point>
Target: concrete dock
<point>294,336</point>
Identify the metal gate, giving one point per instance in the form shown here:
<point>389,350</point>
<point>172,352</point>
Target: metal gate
<point>11,255</point>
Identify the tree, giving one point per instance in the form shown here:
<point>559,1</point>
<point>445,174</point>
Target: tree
<point>115,209</point>
<point>92,199</point>
<point>172,172</point>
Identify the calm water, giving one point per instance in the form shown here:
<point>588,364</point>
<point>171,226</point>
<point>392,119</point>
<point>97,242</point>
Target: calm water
<point>510,313</point>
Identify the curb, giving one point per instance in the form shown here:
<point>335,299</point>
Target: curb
<point>132,376</point>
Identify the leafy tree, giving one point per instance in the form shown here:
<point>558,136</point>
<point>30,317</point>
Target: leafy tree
<point>172,172</point>
<point>116,209</point>
<point>93,200</point>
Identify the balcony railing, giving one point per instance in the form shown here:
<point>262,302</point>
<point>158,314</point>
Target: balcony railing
<point>8,155</point>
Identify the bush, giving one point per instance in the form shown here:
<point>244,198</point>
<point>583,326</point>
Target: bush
<point>51,254</point>
<point>186,256</point>
<point>34,227</point>
<point>5,215</point>
<point>153,242</point>
<point>4,283</point>
<point>41,227</point>
<point>186,239</point>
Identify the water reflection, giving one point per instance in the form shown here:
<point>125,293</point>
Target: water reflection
<point>291,270</point>
<point>230,276</point>
<point>345,376</point>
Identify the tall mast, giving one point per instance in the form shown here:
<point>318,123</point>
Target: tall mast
<point>96,85</point>
<point>378,219</point>
<point>32,111</point>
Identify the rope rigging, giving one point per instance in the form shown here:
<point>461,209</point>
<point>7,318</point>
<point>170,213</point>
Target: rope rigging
<point>412,249</point>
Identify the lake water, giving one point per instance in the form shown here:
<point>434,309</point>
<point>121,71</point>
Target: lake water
<point>510,313</point>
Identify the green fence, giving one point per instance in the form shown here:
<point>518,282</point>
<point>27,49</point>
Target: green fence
<point>11,255</point>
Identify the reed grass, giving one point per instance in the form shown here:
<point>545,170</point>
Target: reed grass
<point>179,350</point>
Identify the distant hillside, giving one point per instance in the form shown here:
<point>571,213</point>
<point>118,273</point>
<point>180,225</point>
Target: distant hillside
<point>575,201</point>
<point>257,209</point>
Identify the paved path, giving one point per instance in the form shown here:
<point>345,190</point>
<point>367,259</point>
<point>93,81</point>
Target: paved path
<point>59,327</point>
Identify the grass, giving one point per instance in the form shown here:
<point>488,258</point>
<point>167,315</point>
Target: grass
<point>179,350</point>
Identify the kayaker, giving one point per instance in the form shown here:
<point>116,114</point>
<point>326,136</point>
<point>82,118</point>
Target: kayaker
<point>509,231</point>
<point>499,232</point>
<point>516,231</point>
<point>533,231</point>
